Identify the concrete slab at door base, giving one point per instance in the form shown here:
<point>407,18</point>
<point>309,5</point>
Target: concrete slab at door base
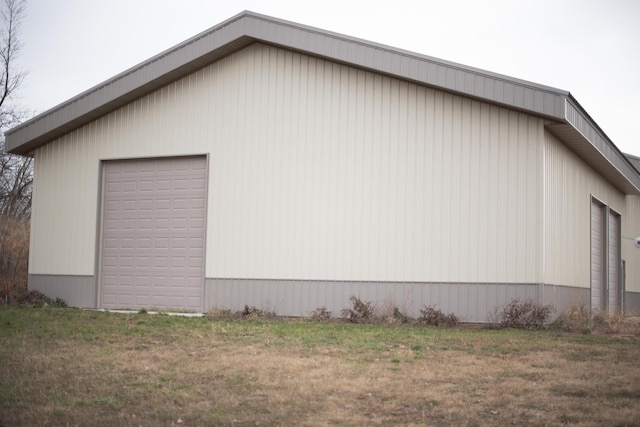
<point>167,313</point>
<point>76,291</point>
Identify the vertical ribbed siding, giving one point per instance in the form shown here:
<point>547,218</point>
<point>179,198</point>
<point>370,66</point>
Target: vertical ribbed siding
<point>64,209</point>
<point>406,65</point>
<point>631,230</point>
<point>246,28</point>
<point>472,302</point>
<point>569,186</point>
<point>318,171</point>
<point>607,153</point>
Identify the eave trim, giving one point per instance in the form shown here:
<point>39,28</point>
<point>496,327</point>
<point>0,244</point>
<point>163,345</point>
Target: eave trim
<point>247,27</point>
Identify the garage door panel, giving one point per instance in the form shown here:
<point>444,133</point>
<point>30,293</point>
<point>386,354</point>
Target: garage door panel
<point>153,232</point>
<point>162,204</point>
<point>198,204</point>
<point>127,242</point>
<point>196,224</point>
<point>597,255</point>
<point>614,262</point>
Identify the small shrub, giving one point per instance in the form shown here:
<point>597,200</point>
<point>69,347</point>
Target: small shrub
<point>360,312</point>
<point>524,314</point>
<point>321,314</point>
<point>220,314</point>
<point>581,319</point>
<point>393,316</point>
<point>33,298</point>
<point>611,323</point>
<point>251,312</point>
<point>59,302</point>
<point>576,319</point>
<point>36,299</point>
<point>429,315</point>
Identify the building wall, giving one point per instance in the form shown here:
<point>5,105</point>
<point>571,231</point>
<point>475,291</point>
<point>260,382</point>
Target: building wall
<point>471,302</point>
<point>569,185</point>
<point>64,208</point>
<point>631,254</point>
<point>318,171</point>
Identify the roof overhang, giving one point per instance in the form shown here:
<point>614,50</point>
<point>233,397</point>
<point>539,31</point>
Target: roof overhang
<point>248,27</point>
<point>635,160</point>
<point>585,138</point>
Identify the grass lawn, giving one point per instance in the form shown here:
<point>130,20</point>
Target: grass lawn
<point>73,367</point>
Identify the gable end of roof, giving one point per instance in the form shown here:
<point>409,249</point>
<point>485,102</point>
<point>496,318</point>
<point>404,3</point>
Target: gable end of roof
<point>248,27</point>
<point>571,123</point>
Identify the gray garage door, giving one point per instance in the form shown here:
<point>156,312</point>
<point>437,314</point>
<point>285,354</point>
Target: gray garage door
<point>597,255</point>
<point>153,234</point>
<point>614,262</point>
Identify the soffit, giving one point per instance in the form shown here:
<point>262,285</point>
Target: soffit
<point>620,173</point>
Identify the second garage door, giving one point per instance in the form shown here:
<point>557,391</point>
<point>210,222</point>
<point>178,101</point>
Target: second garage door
<point>598,278</point>
<point>153,234</point>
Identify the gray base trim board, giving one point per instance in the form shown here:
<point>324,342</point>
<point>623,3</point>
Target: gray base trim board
<point>564,297</point>
<point>76,291</point>
<point>632,303</point>
<point>471,302</point>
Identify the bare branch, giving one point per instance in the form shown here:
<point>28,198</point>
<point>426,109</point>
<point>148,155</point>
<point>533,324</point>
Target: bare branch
<point>10,47</point>
<point>16,172</point>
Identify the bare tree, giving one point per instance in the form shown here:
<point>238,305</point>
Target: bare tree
<point>16,172</point>
<point>10,47</point>
<point>16,179</point>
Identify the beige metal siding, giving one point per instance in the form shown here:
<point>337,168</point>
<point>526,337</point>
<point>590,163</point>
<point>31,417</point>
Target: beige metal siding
<point>569,185</point>
<point>152,253</point>
<point>631,255</point>
<point>319,171</point>
<point>63,219</point>
<point>598,150</point>
<point>247,27</point>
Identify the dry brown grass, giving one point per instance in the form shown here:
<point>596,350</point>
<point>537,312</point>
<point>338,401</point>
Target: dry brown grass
<point>14,258</point>
<point>581,319</point>
<point>69,367</point>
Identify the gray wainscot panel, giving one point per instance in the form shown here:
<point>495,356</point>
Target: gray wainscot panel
<point>76,291</point>
<point>471,302</point>
<point>632,303</point>
<point>564,297</point>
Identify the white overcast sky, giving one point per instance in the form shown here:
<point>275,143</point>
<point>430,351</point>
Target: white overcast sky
<point>588,47</point>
